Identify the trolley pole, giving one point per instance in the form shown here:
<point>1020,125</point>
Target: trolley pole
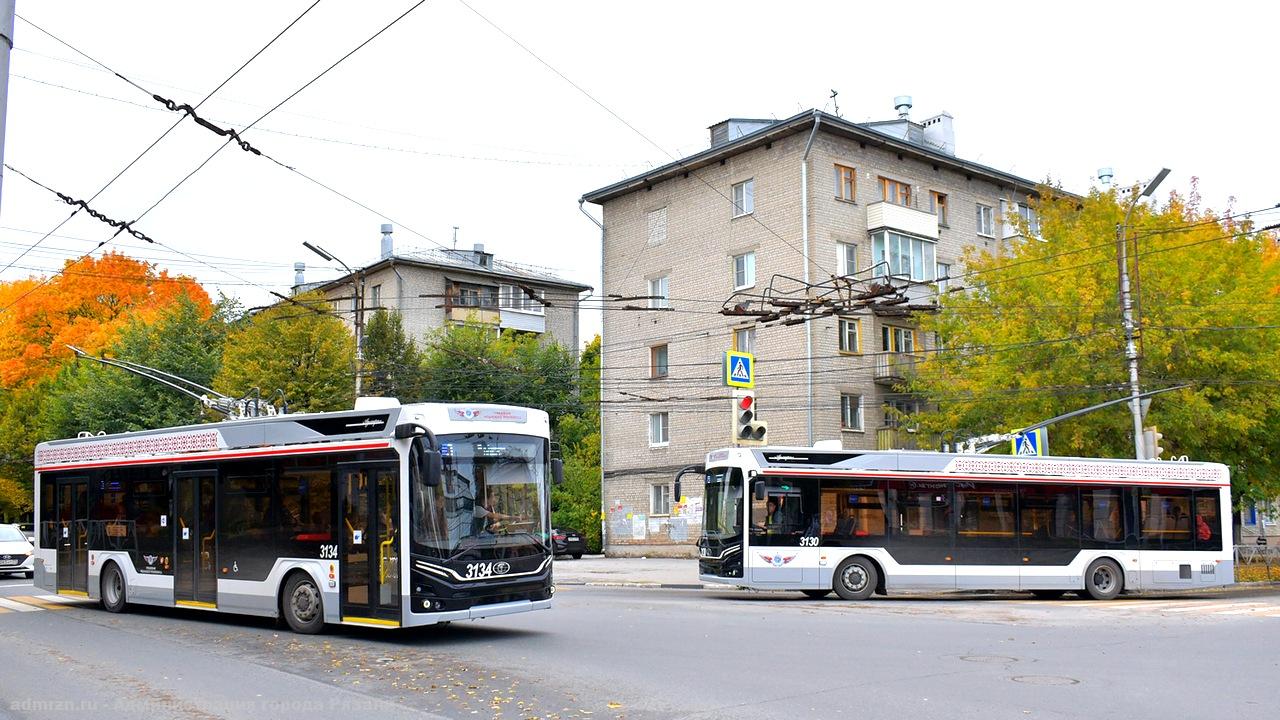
<point>7,9</point>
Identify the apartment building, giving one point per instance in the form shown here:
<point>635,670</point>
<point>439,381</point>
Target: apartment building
<point>809,198</point>
<point>436,287</point>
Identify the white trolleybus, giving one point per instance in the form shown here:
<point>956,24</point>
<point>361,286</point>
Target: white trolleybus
<point>861,523</point>
<point>385,515</point>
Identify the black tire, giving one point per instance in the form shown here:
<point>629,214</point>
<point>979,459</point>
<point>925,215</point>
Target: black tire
<point>112,589</point>
<point>1104,580</point>
<point>1048,594</point>
<point>302,606</point>
<point>816,594</point>
<point>855,579</point>
<point>577,556</point>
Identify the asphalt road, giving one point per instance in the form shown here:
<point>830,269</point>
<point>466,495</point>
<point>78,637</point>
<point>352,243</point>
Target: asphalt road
<point>649,653</point>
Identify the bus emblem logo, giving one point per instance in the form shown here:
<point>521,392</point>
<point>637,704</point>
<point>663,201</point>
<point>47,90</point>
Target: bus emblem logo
<point>502,568</point>
<point>777,560</point>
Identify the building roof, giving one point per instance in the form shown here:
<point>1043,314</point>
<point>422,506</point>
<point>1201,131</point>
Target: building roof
<point>800,123</point>
<point>463,260</point>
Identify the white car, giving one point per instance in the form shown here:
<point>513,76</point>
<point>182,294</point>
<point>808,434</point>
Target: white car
<point>16,552</point>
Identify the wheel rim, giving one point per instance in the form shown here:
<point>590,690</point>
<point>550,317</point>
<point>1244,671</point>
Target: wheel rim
<point>1103,579</point>
<point>854,578</point>
<point>305,602</point>
<point>114,588</point>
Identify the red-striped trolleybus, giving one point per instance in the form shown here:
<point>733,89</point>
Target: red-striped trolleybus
<point>387,515</point>
<point>862,523</point>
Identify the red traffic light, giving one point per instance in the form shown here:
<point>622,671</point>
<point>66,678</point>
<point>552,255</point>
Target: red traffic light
<point>744,403</point>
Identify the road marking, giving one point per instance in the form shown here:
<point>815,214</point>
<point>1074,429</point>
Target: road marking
<point>37,602</point>
<point>1209,607</point>
<point>17,606</point>
<point>63,600</point>
<point>1246,610</point>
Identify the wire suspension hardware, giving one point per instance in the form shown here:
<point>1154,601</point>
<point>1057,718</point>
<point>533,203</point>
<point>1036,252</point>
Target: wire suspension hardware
<point>191,113</point>
<point>242,408</point>
<point>789,301</point>
<point>120,225</point>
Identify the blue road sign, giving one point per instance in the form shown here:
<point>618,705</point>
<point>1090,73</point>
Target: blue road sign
<point>739,369</point>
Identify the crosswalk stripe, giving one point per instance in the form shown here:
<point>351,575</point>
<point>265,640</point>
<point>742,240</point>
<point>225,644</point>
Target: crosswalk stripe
<point>17,606</point>
<point>42,604</point>
<point>61,599</point>
<point>1246,610</point>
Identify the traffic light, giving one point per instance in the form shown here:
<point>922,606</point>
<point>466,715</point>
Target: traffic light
<point>747,430</point>
<point>1151,438</point>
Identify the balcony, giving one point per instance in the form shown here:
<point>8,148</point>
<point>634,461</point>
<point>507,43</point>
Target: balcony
<point>894,367</point>
<point>886,215</point>
<point>898,438</point>
<point>461,311</point>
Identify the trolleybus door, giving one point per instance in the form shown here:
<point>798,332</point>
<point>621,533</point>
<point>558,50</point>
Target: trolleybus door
<point>369,514</point>
<point>73,534</point>
<point>195,539</point>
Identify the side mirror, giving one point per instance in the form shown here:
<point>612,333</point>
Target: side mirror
<point>430,464</point>
<point>675,489</point>
<point>557,471</point>
<point>758,489</point>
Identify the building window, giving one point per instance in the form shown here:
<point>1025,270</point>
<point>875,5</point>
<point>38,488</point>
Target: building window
<point>895,192</point>
<point>1031,218</point>
<point>744,198</point>
<point>744,340</point>
<point>846,258</point>
<point>658,361</point>
<point>850,412</point>
<point>896,408</point>
<point>375,297</point>
<point>474,296</point>
<point>744,271</point>
<point>850,335</point>
<point>938,204</point>
<point>659,429</point>
<point>658,226</point>
<point>514,297</point>
<point>895,254</point>
<point>659,499</point>
<point>986,221</point>
<point>897,339</point>
<point>944,276</point>
<point>659,297</point>
<point>846,183</point>
<point>1025,213</point>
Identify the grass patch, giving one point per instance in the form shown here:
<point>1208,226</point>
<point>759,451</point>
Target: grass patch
<point>1257,572</point>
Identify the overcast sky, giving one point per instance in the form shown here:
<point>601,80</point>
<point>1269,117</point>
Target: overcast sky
<point>443,121</point>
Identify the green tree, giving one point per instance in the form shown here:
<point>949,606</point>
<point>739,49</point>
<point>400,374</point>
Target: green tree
<point>392,362</point>
<point>304,351</point>
<point>576,502</point>
<point>472,363</point>
<point>1036,332</point>
<point>185,339</point>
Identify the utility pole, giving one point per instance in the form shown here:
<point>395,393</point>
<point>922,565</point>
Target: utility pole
<point>357,284</point>
<point>1126,307</point>
<point>7,9</point>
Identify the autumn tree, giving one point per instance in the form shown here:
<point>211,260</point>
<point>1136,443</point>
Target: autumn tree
<point>1036,332</point>
<point>576,503</point>
<point>298,348</point>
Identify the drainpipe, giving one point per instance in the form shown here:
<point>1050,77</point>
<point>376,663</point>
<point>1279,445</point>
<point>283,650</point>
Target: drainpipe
<point>804,239</point>
<point>600,225</point>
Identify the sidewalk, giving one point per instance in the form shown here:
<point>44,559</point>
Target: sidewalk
<point>599,571</point>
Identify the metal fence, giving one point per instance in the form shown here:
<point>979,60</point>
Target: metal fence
<point>1250,553</point>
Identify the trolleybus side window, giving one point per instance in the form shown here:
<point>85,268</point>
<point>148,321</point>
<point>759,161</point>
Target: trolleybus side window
<point>306,514</point>
<point>1102,517</point>
<point>985,512</point>
<point>48,530</point>
<point>923,509</point>
<point>1050,515</point>
<point>788,512</point>
<point>247,549</point>
<point>1208,525</point>
<point>149,500</point>
<point>854,512</point>
<point>1165,519</point>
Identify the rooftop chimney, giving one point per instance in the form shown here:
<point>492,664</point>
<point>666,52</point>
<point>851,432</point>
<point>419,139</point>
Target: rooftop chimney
<point>902,104</point>
<point>387,247</point>
<point>298,273</point>
<point>483,259</point>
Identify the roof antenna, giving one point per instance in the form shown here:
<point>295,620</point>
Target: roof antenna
<point>455,237</point>
<point>835,102</point>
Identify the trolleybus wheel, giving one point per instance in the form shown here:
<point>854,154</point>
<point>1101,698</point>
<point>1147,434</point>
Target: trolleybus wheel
<point>855,579</point>
<point>1104,580</point>
<point>1048,594</point>
<point>302,607</point>
<point>816,594</point>
<point>112,587</point>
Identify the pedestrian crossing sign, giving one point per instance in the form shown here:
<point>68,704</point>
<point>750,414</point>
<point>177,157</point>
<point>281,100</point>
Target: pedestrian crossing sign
<point>1033,443</point>
<point>739,369</point>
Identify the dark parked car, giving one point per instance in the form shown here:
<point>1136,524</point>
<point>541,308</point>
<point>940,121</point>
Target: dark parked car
<point>568,542</point>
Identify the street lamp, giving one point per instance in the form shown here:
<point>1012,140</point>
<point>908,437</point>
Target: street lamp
<point>1126,304</point>
<point>357,284</point>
